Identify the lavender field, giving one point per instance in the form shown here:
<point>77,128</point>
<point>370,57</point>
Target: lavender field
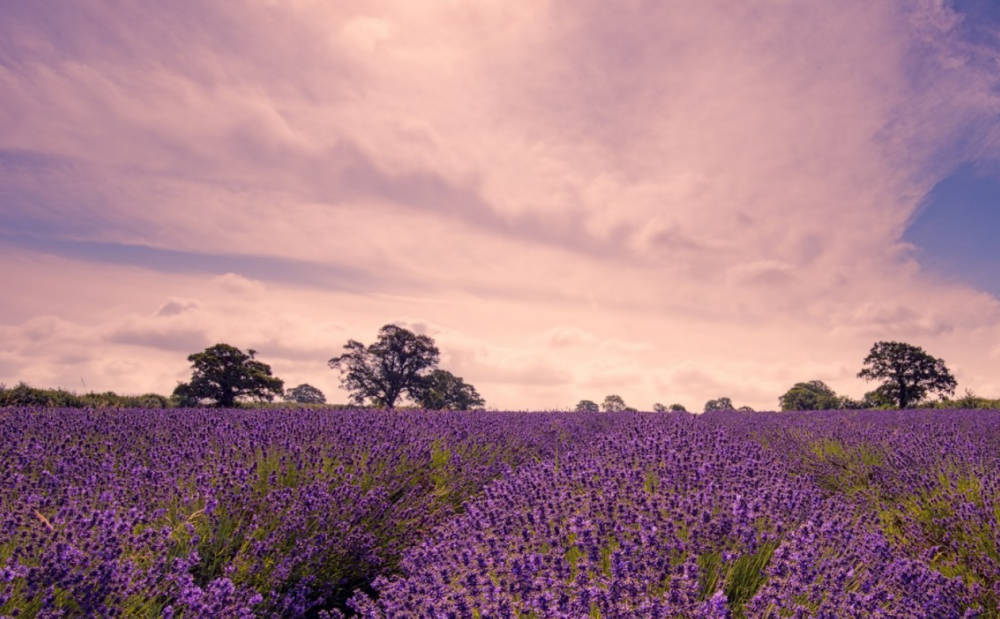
<point>317,513</point>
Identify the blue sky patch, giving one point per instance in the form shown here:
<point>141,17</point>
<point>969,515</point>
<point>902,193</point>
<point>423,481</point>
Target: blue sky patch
<point>957,228</point>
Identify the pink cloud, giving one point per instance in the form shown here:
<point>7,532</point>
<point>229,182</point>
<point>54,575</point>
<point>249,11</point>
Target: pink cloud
<point>665,186</point>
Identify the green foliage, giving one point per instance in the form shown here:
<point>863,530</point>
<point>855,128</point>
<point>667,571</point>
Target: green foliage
<point>907,373</point>
<point>840,469</point>
<point>613,404</point>
<point>442,390</point>
<point>813,395</point>
<point>675,408</point>
<point>746,576</point>
<point>874,399</point>
<point>25,395</point>
<point>305,394</point>
<point>394,365</point>
<point>968,401</point>
<point>287,405</point>
<point>587,406</point>
<point>881,398</point>
<point>739,579</point>
<point>223,375</point>
<point>573,556</point>
<point>651,483</point>
<point>720,404</point>
<point>184,396</point>
<point>923,520</point>
<point>110,399</point>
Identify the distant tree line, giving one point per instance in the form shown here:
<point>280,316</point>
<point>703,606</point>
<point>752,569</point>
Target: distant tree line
<point>615,403</point>
<point>401,367</point>
<point>24,395</point>
<point>907,375</point>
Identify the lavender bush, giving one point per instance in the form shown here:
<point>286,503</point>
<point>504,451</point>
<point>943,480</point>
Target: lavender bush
<point>663,518</point>
<point>319,513</point>
<point>233,513</point>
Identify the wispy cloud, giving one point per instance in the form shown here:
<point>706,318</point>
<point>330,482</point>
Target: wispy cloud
<point>288,271</point>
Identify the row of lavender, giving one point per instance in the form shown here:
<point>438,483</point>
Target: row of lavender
<point>730,515</point>
<point>195,513</point>
<point>929,479</point>
<point>499,515</point>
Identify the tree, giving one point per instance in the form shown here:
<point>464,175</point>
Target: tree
<point>305,394</point>
<point>678,408</point>
<point>880,397</point>
<point>587,406</point>
<point>721,404</point>
<point>224,374</point>
<point>907,373</point>
<point>850,404</point>
<point>613,404</point>
<point>745,409</point>
<point>659,408</point>
<point>442,390</point>
<point>395,364</point>
<point>971,400</point>
<point>814,395</point>
<point>184,397</point>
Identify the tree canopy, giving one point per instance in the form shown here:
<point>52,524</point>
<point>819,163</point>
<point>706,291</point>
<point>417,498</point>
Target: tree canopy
<point>720,404</point>
<point>813,395</point>
<point>673,408</point>
<point>587,406</point>
<point>224,374</point>
<point>305,394</point>
<point>907,373</point>
<point>442,390</point>
<point>396,364</point>
<point>613,404</point>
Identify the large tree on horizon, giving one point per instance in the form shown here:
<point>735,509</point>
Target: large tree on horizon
<point>813,395</point>
<point>224,374</point>
<point>305,394</point>
<point>907,372</point>
<point>442,390</point>
<point>613,404</point>
<point>719,404</point>
<point>396,364</point>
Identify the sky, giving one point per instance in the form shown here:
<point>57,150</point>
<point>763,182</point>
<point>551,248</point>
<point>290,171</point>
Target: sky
<point>670,200</point>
